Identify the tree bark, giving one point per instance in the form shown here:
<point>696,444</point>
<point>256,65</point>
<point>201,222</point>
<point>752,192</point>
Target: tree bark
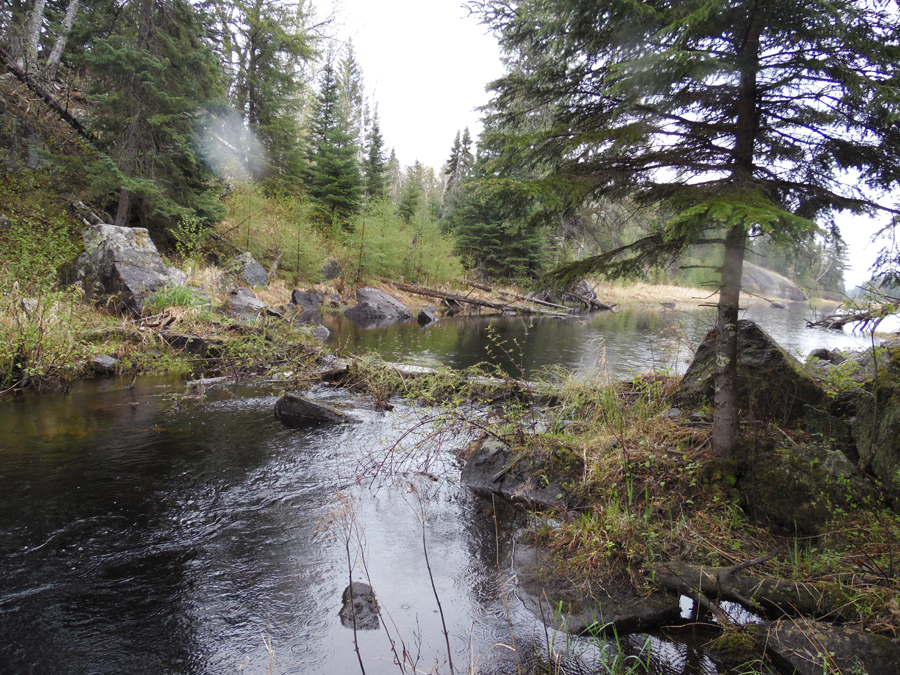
<point>61,39</point>
<point>33,20</point>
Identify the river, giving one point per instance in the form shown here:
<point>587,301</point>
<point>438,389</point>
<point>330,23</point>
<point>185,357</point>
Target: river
<point>143,531</point>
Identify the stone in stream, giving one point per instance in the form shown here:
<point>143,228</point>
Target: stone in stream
<point>121,268</point>
<point>103,364</point>
<point>297,411</point>
<point>426,317</point>
<point>360,608</point>
<point>307,301</point>
<point>376,308</point>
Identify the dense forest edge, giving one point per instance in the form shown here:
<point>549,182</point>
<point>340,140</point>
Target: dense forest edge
<point>156,114</point>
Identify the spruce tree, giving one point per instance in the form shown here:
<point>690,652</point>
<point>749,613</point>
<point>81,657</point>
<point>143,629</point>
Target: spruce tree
<point>150,79</point>
<point>375,165</point>
<point>333,180</point>
<point>747,118</point>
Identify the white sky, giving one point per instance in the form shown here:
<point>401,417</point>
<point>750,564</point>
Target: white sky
<point>427,62</point>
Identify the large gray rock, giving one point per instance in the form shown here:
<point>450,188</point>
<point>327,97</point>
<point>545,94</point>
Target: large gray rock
<point>359,607</point>
<point>121,268</point>
<point>808,647</point>
<point>376,308</point>
<point>307,301</point>
<point>765,282</point>
<point>297,411</point>
<point>520,476</point>
<point>771,383</point>
<point>243,304</point>
<point>245,268</point>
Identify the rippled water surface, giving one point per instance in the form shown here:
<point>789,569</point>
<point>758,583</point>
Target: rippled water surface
<point>142,532</point>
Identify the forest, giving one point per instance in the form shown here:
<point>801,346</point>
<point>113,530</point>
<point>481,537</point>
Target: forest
<point>211,117</point>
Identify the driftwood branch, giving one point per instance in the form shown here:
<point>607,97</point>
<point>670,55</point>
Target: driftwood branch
<point>838,321</point>
<point>516,296</point>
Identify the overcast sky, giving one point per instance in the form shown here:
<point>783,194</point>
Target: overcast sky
<point>426,64</point>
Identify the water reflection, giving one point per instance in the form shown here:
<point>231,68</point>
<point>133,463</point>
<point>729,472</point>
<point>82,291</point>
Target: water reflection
<point>628,341</point>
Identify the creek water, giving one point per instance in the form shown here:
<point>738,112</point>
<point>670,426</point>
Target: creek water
<point>142,531</point>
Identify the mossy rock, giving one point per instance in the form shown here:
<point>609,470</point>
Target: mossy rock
<point>771,382</point>
<point>798,488</point>
<point>538,480</point>
<point>877,434</point>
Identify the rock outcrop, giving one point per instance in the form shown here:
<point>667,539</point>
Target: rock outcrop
<point>765,282</point>
<point>121,268</point>
<point>243,304</point>
<point>771,384</point>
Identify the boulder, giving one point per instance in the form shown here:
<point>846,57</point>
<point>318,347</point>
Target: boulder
<point>121,268</point>
<point>103,364</point>
<point>359,607</point>
<point>799,490</point>
<point>761,281</point>
<point>808,647</point>
<point>771,384</point>
<point>376,308</point>
<point>307,301</point>
<point>297,411</point>
<point>331,269</point>
<point>519,476</point>
<point>245,268</point>
<point>243,304</point>
<point>426,317</point>
<point>876,429</point>
<point>194,344</point>
<point>616,607</point>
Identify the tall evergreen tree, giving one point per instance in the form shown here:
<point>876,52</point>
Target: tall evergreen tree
<point>375,165</point>
<point>411,193</point>
<point>149,81</point>
<point>460,163</point>
<point>333,179</point>
<point>748,117</point>
<point>353,99</point>
<point>263,45</point>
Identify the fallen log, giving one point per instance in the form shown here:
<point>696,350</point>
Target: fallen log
<point>516,296</point>
<point>477,302</point>
<point>776,597</point>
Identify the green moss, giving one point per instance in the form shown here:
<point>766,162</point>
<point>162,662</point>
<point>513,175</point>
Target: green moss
<point>733,647</point>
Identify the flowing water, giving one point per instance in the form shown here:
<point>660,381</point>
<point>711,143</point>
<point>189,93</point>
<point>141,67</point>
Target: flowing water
<point>145,532</point>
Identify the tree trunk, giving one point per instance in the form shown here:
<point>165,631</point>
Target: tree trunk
<point>32,36</point>
<point>725,409</point>
<point>62,38</point>
<point>124,210</point>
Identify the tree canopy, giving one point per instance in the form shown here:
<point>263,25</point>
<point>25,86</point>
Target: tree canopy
<point>749,118</point>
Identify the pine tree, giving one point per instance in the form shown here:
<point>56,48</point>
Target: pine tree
<point>149,82</point>
<point>333,179</point>
<point>459,165</point>
<point>754,117</point>
<point>353,98</point>
<point>411,193</point>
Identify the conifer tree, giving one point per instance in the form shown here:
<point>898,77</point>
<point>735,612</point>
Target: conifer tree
<point>375,165</point>
<point>149,80</point>
<point>333,178</point>
<point>460,163</point>
<point>752,117</point>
